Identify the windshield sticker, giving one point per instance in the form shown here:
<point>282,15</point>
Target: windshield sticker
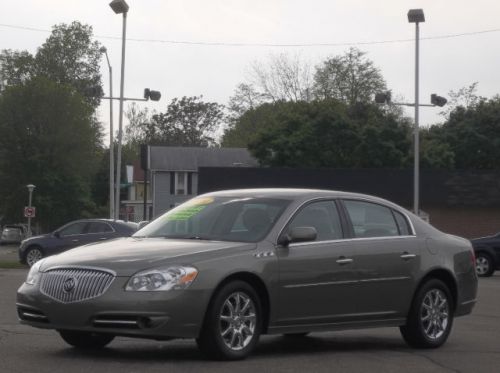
<point>189,209</point>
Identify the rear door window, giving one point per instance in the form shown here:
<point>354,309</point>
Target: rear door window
<point>371,219</point>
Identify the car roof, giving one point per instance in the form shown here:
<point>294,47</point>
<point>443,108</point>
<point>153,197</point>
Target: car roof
<point>289,193</point>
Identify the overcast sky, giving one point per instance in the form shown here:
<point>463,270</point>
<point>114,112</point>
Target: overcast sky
<point>214,71</point>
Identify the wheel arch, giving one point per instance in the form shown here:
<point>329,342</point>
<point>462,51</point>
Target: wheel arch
<point>33,246</point>
<point>446,277</point>
<point>257,284</point>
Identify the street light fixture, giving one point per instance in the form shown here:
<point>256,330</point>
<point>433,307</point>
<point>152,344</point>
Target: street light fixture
<point>120,7</point>
<point>111,141</point>
<point>31,188</point>
<point>416,16</point>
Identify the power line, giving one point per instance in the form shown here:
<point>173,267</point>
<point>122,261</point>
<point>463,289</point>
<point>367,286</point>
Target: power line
<point>300,45</point>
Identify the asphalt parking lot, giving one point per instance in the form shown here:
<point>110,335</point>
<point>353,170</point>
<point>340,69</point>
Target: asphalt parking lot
<point>473,347</point>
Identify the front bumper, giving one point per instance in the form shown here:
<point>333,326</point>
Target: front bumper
<point>157,315</point>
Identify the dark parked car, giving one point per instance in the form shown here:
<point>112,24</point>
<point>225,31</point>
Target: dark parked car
<point>13,233</point>
<point>487,254</point>
<point>76,233</point>
<point>226,267</point>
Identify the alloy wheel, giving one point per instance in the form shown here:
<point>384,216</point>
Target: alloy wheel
<point>434,314</point>
<point>237,321</point>
<point>482,265</point>
<point>33,256</point>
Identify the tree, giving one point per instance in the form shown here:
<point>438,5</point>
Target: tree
<point>69,56</point>
<point>325,133</point>
<point>465,97</point>
<point>46,138</point>
<point>349,78</point>
<point>473,135</point>
<point>283,78</point>
<point>188,121</point>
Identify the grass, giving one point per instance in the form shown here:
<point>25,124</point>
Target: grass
<point>5,264</point>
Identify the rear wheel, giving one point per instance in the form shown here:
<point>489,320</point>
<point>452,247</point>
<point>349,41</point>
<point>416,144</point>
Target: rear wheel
<point>86,340</point>
<point>33,255</point>
<point>484,265</point>
<point>233,323</point>
<point>431,316</point>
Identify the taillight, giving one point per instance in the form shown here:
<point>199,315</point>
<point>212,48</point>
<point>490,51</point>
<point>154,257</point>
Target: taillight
<point>473,258</point>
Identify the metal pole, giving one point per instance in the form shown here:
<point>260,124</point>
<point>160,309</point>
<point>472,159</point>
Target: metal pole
<point>120,122</point>
<point>144,214</point>
<point>29,217</point>
<point>111,147</point>
<point>416,176</point>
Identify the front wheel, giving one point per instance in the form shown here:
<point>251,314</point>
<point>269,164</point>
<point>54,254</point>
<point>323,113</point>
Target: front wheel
<point>431,316</point>
<point>484,265</point>
<point>86,340</point>
<point>232,324</point>
<point>33,255</point>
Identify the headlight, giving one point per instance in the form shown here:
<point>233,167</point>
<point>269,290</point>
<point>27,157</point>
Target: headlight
<point>162,279</point>
<point>34,273</point>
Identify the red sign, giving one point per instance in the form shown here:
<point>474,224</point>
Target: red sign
<point>29,212</point>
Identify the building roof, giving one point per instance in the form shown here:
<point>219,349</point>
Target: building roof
<point>173,158</point>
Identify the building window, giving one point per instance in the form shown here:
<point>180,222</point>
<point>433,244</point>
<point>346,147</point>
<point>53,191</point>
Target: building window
<point>180,183</point>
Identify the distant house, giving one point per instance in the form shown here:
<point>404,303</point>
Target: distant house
<point>174,176</point>
<point>134,204</point>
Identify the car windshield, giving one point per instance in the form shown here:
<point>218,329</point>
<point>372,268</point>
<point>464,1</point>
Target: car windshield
<point>239,219</point>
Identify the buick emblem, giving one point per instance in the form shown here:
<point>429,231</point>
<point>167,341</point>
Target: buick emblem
<point>69,284</point>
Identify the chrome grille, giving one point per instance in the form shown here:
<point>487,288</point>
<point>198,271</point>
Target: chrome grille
<point>69,285</point>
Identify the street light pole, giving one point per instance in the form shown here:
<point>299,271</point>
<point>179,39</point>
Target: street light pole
<point>120,7</point>
<point>30,187</point>
<point>416,16</point>
<point>111,142</point>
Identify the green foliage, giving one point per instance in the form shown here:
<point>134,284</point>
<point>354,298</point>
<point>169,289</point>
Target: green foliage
<point>349,78</point>
<point>473,135</point>
<point>324,133</point>
<point>69,56</point>
<point>188,121</point>
<point>46,138</point>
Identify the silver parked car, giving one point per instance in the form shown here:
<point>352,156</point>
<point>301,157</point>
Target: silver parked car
<point>14,233</point>
<point>226,267</point>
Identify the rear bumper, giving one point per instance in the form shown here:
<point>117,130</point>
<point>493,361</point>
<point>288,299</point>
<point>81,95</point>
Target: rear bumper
<point>467,292</point>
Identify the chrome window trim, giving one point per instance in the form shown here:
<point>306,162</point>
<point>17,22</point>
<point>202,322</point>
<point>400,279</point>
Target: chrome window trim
<point>333,199</point>
<point>348,240</point>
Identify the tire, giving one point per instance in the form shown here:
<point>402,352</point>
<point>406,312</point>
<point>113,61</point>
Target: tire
<point>484,264</point>
<point>33,255</point>
<point>233,323</point>
<point>86,340</point>
<point>430,318</point>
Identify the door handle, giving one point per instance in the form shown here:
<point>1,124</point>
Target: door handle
<point>343,260</point>
<point>408,256</point>
<point>75,240</point>
<point>103,238</point>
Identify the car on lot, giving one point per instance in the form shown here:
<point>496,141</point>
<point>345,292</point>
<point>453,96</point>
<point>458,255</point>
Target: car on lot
<point>13,233</point>
<point>226,267</point>
<point>487,251</point>
<point>73,234</point>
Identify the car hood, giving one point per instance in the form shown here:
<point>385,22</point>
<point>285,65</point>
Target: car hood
<point>486,238</point>
<point>36,238</point>
<point>127,256</point>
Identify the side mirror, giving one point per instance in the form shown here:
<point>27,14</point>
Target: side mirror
<point>57,234</point>
<point>298,234</point>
